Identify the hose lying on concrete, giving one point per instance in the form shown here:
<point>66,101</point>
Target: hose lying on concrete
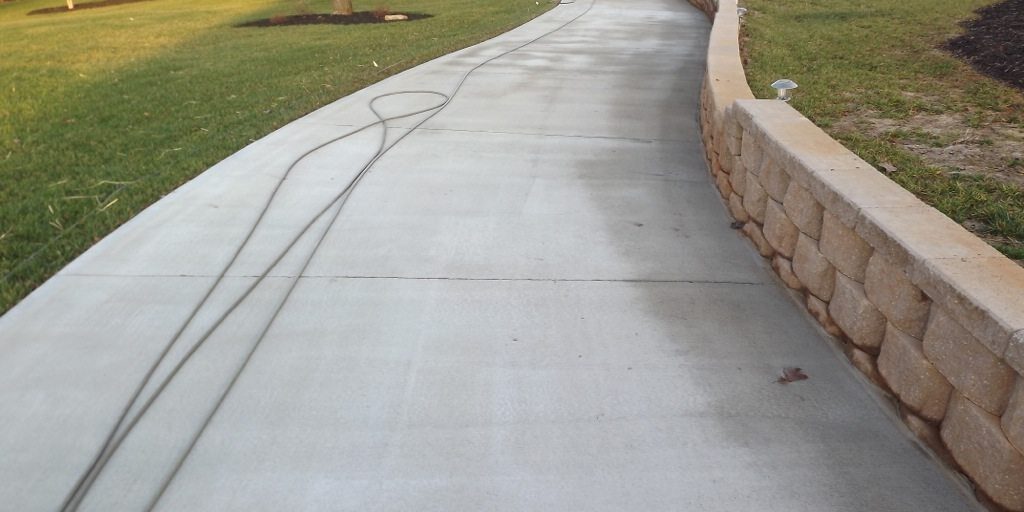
<point>124,426</point>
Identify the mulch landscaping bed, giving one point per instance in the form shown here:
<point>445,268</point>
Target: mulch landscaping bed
<point>84,5</point>
<point>994,43</point>
<point>355,18</point>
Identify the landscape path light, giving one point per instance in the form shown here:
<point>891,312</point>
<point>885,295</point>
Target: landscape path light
<point>740,11</point>
<point>782,87</point>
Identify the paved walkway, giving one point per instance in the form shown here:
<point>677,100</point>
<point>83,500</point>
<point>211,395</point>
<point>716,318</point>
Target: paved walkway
<point>534,303</point>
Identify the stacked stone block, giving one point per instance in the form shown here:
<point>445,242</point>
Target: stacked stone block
<point>933,317</point>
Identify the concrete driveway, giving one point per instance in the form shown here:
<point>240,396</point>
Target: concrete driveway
<point>532,302</point>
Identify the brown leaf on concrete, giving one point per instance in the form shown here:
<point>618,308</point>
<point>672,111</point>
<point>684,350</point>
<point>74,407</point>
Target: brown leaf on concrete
<point>792,374</point>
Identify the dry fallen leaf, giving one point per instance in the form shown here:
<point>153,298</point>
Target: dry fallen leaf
<point>791,374</point>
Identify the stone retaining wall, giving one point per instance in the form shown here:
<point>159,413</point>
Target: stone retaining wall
<point>925,309</point>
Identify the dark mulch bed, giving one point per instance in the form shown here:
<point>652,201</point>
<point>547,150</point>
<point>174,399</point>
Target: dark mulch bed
<point>994,43</point>
<point>84,5</point>
<point>356,18</point>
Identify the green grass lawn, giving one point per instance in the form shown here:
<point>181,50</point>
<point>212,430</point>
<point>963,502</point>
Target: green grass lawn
<point>103,111</point>
<point>871,74</point>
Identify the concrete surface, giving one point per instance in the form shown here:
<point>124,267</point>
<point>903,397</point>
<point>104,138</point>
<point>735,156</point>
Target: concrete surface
<point>532,303</point>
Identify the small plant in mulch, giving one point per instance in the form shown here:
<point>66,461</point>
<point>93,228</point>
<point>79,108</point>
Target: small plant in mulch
<point>84,5</point>
<point>994,42</point>
<point>356,18</point>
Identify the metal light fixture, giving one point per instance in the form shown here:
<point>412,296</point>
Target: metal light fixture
<point>782,87</point>
<point>740,11</point>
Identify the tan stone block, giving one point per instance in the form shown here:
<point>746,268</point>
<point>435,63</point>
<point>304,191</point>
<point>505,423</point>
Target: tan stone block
<point>866,363</point>
<point>846,191</point>
<point>733,130</point>
<point>784,269</point>
<point>985,295</point>
<point>921,428</point>
<point>751,153</point>
<point>774,179</point>
<point>717,134</point>
<point>980,288</point>
<point>715,164</point>
<point>972,369</point>
<point>738,179</point>
<point>779,230</point>
<point>799,169</point>
<point>910,375</point>
<point>812,268</point>
<point>928,434</point>
<point>904,304</point>
<point>1014,355</point>
<point>724,188</point>
<point>819,310</point>
<point>788,128</point>
<point>732,136</point>
<point>975,439</point>
<point>726,161</point>
<point>755,200</point>
<point>733,145</point>
<point>843,247</point>
<point>1013,418</point>
<point>736,208</point>
<point>909,234</point>
<point>745,111</point>
<point>803,210</point>
<point>856,315</point>
<point>753,231</point>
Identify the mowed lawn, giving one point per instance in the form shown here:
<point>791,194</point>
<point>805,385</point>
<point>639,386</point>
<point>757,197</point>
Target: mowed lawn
<point>874,75</point>
<point>103,111</point>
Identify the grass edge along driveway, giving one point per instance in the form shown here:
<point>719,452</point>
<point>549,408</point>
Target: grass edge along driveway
<point>103,111</point>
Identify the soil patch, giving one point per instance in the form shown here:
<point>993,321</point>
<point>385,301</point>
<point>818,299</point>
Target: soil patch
<point>947,141</point>
<point>994,42</point>
<point>356,18</point>
<point>84,5</point>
